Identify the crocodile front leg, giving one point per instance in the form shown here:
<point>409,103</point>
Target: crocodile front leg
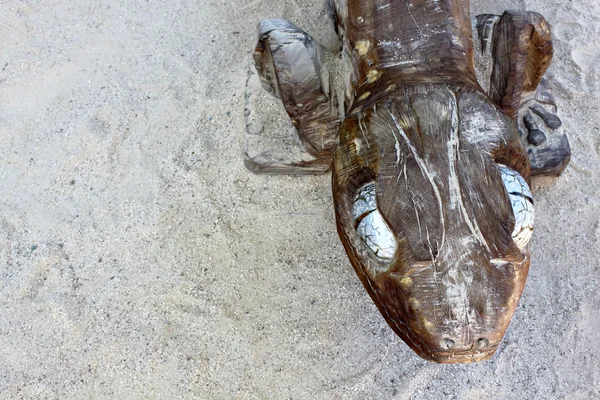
<point>289,63</point>
<point>520,45</point>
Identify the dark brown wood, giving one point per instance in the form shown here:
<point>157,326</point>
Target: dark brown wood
<point>457,274</point>
<point>431,141</point>
<point>391,44</point>
<point>522,51</point>
<point>429,168</point>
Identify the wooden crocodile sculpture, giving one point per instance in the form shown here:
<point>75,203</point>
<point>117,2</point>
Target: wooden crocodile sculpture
<point>430,172</point>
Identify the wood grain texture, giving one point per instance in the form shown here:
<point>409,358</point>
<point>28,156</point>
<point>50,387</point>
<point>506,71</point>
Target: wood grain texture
<point>398,43</point>
<point>288,62</point>
<point>422,129</point>
<point>427,144</point>
<point>522,52</point>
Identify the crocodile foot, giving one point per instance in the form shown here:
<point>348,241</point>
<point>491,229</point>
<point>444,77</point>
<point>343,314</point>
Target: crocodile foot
<point>541,131</point>
<point>292,113</point>
<point>516,50</point>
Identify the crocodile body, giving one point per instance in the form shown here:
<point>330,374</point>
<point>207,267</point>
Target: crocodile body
<point>430,172</point>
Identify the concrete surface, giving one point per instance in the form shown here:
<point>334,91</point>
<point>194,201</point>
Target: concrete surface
<point>139,259</point>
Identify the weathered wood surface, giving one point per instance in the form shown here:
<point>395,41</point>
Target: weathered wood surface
<point>430,172</point>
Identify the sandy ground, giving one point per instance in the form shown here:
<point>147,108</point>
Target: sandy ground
<point>139,259</point>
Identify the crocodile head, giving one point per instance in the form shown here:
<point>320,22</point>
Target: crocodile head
<point>434,210</point>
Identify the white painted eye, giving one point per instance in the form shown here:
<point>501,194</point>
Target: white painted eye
<point>522,205</point>
<point>370,226</point>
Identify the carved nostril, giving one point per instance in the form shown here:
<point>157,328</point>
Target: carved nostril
<point>447,343</point>
<point>483,342</point>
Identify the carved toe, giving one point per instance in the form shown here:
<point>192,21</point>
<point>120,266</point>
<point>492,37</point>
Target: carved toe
<point>550,119</point>
<point>534,136</point>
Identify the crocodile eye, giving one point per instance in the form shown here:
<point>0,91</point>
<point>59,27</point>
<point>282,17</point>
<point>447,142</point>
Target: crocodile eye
<point>522,205</point>
<point>370,225</point>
